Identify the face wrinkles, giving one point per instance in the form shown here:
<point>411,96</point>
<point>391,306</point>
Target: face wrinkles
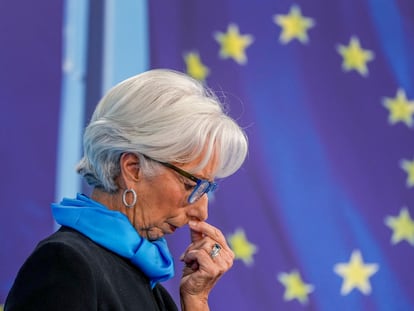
<point>154,204</point>
<point>162,204</point>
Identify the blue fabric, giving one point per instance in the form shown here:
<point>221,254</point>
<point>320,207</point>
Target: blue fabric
<point>113,230</point>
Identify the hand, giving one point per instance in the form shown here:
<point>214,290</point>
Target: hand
<point>201,271</point>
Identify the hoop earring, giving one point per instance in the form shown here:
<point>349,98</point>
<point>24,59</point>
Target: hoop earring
<point>134,197</point>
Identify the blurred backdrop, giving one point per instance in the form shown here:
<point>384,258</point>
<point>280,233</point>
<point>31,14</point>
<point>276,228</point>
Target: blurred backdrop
<point>320,216</point>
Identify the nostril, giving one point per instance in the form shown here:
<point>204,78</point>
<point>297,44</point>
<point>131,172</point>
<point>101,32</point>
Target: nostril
<point>198,211</point>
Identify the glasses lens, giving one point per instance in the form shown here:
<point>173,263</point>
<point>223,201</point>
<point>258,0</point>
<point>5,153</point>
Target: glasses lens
<point>199,190</point>
<point>203,187</point>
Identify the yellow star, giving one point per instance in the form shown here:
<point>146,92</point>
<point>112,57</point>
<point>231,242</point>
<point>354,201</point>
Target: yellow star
<point>408,167</point>
<point>295,288</point>
<point>355,274</point>
<point>294,25</point>
<point>241,247</point>
<point>233,44</point>
<point>400,108</point>
<point>195,67</point>
<point>402,226</point>
<point>354,57</point>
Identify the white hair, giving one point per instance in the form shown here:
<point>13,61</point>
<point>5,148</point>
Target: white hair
<point>164,115</point>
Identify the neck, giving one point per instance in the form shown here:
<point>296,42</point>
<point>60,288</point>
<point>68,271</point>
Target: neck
<point>113,201</point>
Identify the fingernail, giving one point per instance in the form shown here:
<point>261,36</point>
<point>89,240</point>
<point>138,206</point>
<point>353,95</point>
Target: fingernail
<point>192,223</point>
<point>182,257</point>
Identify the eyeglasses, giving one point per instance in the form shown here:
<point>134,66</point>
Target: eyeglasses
<point>202,186</point>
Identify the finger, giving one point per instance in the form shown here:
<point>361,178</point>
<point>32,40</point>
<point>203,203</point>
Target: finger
<point>195,235</point>
<point>204,229</point>
<point>204,266</point>
<point>205,243</point>
<point>200,257</point>
<point>205,248</point>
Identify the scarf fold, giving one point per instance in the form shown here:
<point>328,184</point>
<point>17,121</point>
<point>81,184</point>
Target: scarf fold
<point>113,230</point>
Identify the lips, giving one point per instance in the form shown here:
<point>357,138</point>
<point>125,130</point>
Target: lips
<point>173,228</point>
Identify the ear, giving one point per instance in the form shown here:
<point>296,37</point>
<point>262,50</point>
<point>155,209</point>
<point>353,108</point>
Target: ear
<point>129,164</point>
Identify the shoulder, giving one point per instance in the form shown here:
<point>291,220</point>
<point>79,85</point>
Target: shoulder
<point>68,271</point>
<point>57,273</point>
<point>65,247</point>
<point>67,238</point>
<point>74,246</point>
<point>66,250</point>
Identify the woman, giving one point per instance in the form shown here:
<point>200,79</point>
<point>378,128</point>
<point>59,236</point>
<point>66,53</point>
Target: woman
<point>153,147</point>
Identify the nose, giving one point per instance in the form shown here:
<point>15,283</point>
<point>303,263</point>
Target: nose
<point>199,209</point>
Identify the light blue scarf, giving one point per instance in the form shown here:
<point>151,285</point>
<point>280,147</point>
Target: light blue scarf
<point>113,230</point>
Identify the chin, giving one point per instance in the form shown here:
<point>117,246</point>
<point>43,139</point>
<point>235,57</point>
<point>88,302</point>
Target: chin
<point>154,234</point>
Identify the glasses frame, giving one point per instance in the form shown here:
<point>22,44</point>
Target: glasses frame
<point>210,186</point>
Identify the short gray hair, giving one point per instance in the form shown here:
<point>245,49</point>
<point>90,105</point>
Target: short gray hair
<point>164,115</point>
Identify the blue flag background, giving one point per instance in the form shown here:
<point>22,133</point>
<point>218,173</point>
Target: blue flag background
<point>30,80</point>
<point>320,216</point>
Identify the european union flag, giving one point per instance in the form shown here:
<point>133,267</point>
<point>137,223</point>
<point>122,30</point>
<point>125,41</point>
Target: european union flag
<point>321,215</point>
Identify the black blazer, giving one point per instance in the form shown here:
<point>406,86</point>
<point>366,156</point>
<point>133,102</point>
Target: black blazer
<point>68,271</point>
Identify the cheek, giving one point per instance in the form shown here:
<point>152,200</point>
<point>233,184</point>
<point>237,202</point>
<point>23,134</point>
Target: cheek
<point>162,197</point>
<point>169,199</point>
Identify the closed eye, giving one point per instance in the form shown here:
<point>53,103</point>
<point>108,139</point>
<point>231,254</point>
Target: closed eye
<point>189,187</point>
